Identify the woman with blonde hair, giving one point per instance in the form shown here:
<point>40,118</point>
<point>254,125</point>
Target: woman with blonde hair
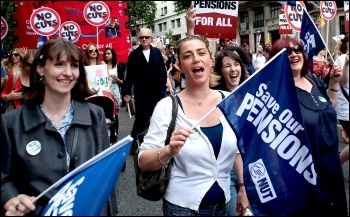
<point>14,93</point>
<point>92,55</point>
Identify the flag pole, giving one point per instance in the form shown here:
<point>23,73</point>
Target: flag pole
<point>327,38</point>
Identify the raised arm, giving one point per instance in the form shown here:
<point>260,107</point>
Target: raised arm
<point>190,20</point>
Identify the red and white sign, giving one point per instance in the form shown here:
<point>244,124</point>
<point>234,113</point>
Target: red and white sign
<point>45,21</point>
<point>346,15</point>
<point>294,15</point>
<point>328,9</point>
<point>70,29</point>
<point>284,27</point>
<point>96,13</point>
<point>216,19</point>
<point>4,28</point>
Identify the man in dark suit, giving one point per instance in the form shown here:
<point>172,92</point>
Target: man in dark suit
<point>146,71</point>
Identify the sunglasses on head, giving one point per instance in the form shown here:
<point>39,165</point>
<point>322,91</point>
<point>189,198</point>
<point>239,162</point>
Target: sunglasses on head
<point>90,51</point>
<point>15,54</point>
<point>144,37</point>
<point>296,48</point>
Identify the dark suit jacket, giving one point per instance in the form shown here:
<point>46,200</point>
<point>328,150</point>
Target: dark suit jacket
<point>148,78</point>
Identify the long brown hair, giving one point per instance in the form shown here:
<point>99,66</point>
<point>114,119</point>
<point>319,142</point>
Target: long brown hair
<point>87,57</point>
<point>55,49</point>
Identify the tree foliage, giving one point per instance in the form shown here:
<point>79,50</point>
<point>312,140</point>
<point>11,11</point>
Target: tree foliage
<point>181,6</point>
<point>6,13</point>
<point>141,12</point>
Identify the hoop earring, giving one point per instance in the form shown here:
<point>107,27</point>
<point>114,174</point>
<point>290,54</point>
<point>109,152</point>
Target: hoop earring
<point>42,80</point>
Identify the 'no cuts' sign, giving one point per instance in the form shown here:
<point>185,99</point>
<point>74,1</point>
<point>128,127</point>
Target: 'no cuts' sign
<point>328,9</point>
<point>70,29</point>
<point>4,28</point>
<point>294,15</point>
<point>96,13</point>
<point>45,21</point>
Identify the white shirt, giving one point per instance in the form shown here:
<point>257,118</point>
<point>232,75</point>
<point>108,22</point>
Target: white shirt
<point>258,61</point>
<point>146,53</point>
<point>342,107</point>
<point>195,168</point>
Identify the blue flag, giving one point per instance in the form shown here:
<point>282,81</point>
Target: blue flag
<point>311,38</point>
<point>85,190</point>
<point>264,113</point>
<point>69,37</point>
<point>41,40</point>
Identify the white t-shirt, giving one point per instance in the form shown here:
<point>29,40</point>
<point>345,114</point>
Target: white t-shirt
<point>343,104</point>
<point>258,61</point>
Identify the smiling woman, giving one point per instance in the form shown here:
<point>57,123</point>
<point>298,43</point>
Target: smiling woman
<point>39,140</point>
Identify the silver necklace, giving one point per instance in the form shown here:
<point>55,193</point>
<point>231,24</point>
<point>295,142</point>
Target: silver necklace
<point>199,103</point>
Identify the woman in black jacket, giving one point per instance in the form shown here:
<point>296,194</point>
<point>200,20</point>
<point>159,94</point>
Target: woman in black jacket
<point>37,139</point>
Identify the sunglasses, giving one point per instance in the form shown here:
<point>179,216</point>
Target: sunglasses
<point>296,48</point>
<point>144,37</point>
<point>90,51</point>
<point>228,40</point>
<point>15,54</point>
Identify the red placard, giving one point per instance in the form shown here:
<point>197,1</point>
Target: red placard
<point>294,15</point>
<point>73,11</point>
<point>45,21</point>
<point>284,27</point>
<point>216,20</point>
<point>328,9</point>
<point>4,28</point>
<point>96,13</point>
<point>346,15</point>
<point>70,30</point>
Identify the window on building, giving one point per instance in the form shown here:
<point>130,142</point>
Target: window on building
<point>152,28</point>
<point>164,26</point>
<point>160,27</point>
<point>341,25</point>
<point>173,24</point>
<point>259,18</point>
<point>162,12</point>
<point>244,17</point>
<point>165,10</point>
<point>178,23</point>
<point>275,9</point>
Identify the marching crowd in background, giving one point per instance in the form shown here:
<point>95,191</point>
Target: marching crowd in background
<point>51,84</point>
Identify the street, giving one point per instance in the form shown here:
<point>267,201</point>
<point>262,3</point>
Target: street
<point>129,204</point>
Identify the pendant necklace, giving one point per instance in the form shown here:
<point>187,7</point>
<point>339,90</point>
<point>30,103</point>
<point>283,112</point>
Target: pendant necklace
<point>199,103</point>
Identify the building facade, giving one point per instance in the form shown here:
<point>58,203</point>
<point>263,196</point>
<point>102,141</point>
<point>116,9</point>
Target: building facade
<point>254,17</point>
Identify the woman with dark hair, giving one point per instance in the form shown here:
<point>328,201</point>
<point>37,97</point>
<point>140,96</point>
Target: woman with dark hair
<point>232,71</point>
<point>320,119</point>
<point>116,79</point>
<point>39,140</point>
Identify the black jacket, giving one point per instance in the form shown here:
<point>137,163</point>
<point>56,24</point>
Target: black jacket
<point>22,173</point>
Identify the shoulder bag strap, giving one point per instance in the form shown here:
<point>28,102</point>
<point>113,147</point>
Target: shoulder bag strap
<point>173,119</point>
<point>345,93</point>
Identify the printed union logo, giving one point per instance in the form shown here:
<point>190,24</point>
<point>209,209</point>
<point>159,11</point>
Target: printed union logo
<point>257,170</point>
<point>262,181</point>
